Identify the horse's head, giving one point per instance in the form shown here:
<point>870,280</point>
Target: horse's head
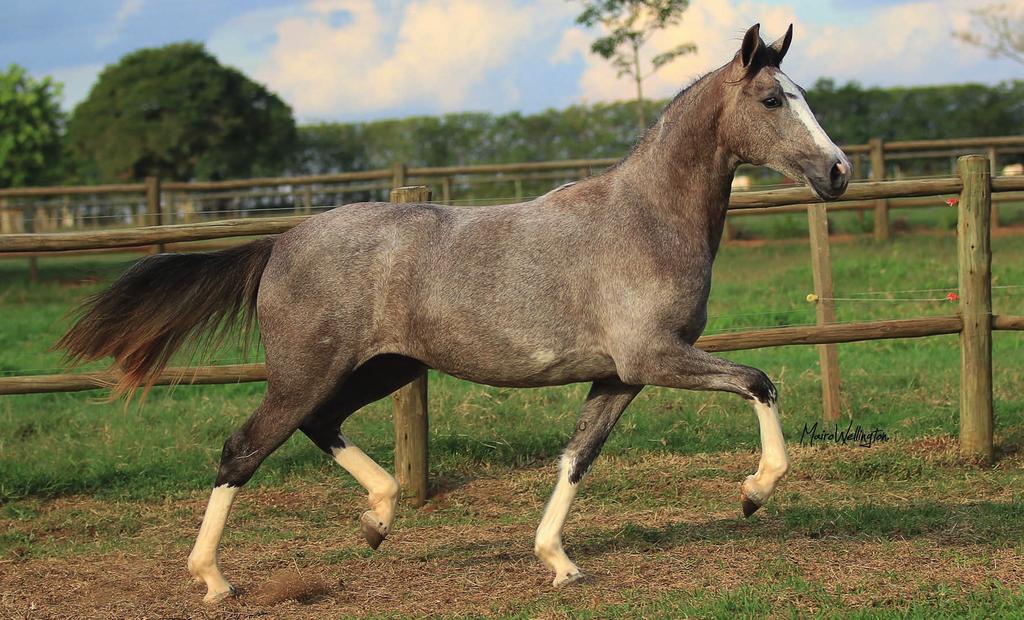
<point>766,120</point>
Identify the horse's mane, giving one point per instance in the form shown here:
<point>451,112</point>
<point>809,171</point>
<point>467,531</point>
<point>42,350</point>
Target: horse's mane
<point>653,126</point>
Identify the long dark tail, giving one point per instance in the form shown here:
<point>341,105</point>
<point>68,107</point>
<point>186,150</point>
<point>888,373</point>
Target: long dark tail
<point>164,301</point>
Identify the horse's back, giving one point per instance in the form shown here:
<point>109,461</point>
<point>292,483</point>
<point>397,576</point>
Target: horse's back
<point>493,294</point>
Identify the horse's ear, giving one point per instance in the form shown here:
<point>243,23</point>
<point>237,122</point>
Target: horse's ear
<point>781,46</point>
<point>752,46</point>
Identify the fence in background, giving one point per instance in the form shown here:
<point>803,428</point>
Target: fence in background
<point>50,209</point>
<point>974,321</point>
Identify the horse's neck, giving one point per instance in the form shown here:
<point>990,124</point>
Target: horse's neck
<point>679,171</point>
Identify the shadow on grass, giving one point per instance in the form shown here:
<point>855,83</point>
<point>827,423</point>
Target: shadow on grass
<point>985,523</point>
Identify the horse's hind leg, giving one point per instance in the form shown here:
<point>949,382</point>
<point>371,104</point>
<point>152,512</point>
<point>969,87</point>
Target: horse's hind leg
<point>270,425</point>
<point>370,382</point>
<point>605,403</point>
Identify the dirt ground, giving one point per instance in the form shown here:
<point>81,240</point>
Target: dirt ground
<point>297,552</point>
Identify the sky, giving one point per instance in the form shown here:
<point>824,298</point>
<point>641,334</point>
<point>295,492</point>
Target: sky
<point>353,60</point>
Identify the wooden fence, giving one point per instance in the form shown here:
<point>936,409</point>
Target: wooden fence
<point>974,321</point>
<point>50,209</point>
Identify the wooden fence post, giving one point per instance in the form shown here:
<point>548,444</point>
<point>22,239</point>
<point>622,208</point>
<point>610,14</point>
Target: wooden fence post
<point>40,220</point>
<point>33,262</point>
<point>410,407</point>
<point>878,174</point>
<point>825,309</point>
<point>974,251</point>
<point>993,162</point>
<point>154,211</point>
<point>398,174</point>
<point>446,190</point>
<point>66,219</point>
<point>188,209</point>
<point>307,200</point>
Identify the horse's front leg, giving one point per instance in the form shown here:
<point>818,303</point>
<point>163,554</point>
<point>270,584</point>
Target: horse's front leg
<point>605,403</point>
<point>680,365</point>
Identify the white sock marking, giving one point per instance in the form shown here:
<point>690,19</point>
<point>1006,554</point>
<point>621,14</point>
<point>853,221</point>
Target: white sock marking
<point>381,486</point>
<point>548,543</point>
<point>773,463</point>
<point>202,562</point>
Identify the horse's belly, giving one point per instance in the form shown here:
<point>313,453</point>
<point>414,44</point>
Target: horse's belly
<point>523,368</point>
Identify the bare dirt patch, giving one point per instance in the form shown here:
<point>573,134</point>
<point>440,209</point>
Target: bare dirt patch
<point>297,552</point>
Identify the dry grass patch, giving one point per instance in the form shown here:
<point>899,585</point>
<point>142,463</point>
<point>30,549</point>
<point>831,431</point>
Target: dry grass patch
<point>645,527</point>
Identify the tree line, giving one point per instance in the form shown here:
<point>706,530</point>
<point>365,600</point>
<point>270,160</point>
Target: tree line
<point>178,113</point>
<point>850,113</point>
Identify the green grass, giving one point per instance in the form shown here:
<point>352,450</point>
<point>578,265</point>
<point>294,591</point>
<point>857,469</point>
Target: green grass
<point>758,602</point>
<point>58,445</point>
<point>51,444</point>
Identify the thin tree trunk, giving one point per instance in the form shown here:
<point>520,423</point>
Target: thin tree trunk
<point>640,113</point>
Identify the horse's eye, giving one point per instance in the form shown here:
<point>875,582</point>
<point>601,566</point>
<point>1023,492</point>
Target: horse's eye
<point>772,102</point>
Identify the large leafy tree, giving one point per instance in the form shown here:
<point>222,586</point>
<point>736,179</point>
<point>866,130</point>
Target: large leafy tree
<point>629,24</point>
<point>30,128</point>
<point>176,112</point>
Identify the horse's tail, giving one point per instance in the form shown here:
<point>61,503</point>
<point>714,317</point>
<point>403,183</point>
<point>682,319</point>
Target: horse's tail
<point>164,301</point>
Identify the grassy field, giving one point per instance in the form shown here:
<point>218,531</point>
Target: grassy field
<point>100,501</point>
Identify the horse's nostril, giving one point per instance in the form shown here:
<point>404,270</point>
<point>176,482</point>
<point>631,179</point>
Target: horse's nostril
<point>838,174</point>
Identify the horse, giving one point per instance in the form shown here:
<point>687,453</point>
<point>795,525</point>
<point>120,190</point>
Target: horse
<point>605,281</point>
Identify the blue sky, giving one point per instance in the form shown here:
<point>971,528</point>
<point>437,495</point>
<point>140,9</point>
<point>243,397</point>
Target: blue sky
<point>364,59</point>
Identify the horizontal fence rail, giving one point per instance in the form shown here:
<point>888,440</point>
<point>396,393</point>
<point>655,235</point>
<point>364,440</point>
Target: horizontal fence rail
<point>994,142</point>
<point>503,168</point>
<point>39,210</point>
<point>241,227</point>
<point>753,339</point>
<point>148,235</point>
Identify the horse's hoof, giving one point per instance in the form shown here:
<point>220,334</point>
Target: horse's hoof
<point>564,580</point>
<point>212,598</point>
<point>749,505</point>
<point>371,527</point>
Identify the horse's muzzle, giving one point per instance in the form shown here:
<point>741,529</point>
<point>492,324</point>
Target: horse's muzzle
<point>835,185</point>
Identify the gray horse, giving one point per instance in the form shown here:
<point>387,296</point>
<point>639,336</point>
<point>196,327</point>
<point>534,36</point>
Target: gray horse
<point>604,281</point>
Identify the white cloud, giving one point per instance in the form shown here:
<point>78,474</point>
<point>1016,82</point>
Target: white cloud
<point>716,28</point>
<point>901,44</point>
<point>245,40</point>
<point>356,56</point>
<point>128,9</point>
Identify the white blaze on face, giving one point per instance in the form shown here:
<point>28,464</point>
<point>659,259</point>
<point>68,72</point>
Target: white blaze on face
<point>799,108</point>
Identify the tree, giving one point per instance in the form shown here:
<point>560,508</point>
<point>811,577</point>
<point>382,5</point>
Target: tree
<point>30,128</point>
<point>329,147</point>
<point>630,24</point>
<point>178,113</point>
<point>1002,31</point>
